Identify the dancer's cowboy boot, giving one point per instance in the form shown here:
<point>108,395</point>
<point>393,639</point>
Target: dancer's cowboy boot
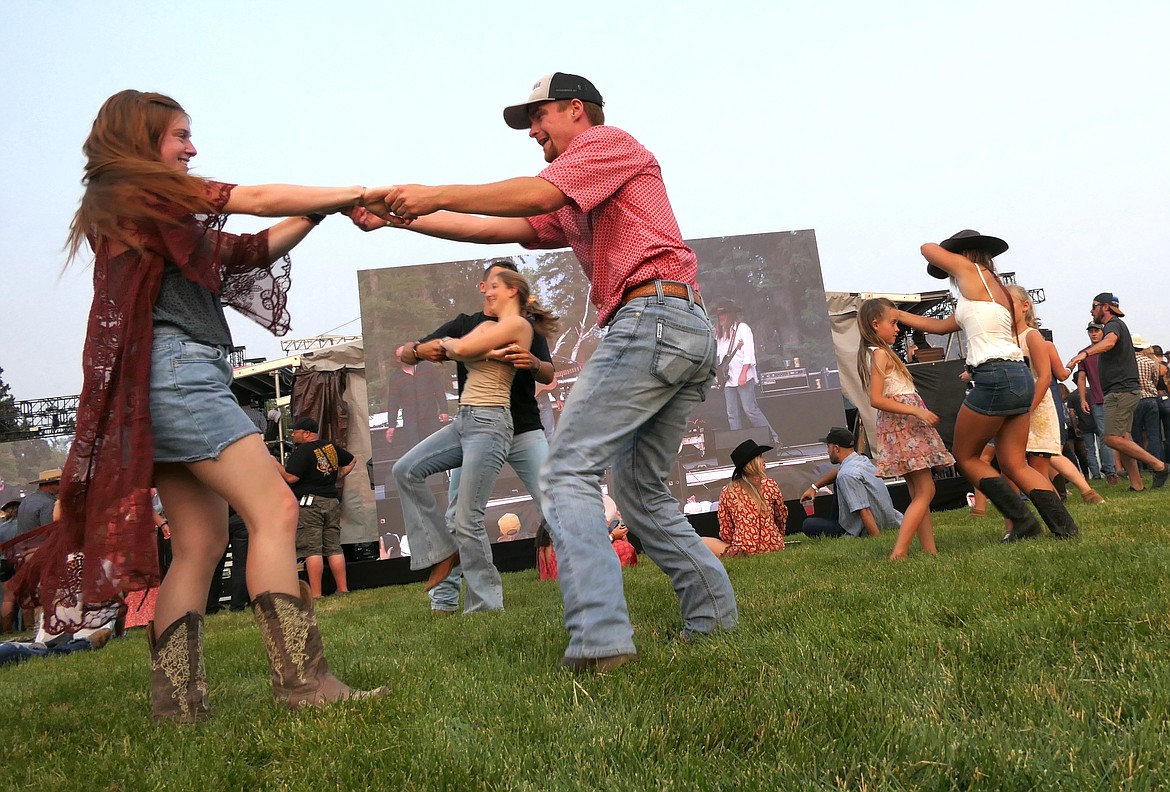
<point>1000,493</point>
<point>178,684</point>
<point>1054,513</point>
<point>296,655</point>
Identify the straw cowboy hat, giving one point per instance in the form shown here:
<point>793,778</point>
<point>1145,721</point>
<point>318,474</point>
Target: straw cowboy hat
<point>48,476</point>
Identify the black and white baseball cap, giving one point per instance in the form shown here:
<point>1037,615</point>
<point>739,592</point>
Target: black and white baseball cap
<point>549,88</point>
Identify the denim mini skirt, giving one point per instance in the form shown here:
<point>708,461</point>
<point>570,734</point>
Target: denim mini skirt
<point>193,412</point>
<point>1002,387</point>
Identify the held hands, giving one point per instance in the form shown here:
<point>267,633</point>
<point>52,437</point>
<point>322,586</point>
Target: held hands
<point>409,201</point>
<point>1075,360</point>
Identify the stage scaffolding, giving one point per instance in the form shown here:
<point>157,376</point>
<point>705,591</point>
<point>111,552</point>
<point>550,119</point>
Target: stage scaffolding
<point>49,417</point>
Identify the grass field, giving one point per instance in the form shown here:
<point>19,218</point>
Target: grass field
<point>1042,665</point>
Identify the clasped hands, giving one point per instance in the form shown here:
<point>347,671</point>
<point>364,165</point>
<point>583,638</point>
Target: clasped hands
<point>396,206</point>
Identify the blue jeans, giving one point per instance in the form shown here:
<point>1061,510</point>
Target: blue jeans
<point>1094,444</point>
<point>15,652</point>
<point>1164,415</point>
<point>527,455</point>
<point>1146,421</point>
<point>814,527</point>
<point>741,403</point>
<point>477,439</point>
<point>628,410</point>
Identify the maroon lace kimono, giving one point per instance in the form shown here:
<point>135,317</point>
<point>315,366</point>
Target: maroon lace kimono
<point>105,490</point>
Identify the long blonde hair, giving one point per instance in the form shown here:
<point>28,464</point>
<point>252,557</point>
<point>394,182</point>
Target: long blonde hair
<point>1020,293</point>
<point>125,180</point>
<point>872,311</point>
<point>744,479</point>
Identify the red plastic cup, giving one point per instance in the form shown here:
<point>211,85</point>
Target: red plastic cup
<point>809,507</point>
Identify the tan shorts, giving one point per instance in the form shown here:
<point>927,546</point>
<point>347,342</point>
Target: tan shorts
<point>1119,410</point>
<point>319,528</point>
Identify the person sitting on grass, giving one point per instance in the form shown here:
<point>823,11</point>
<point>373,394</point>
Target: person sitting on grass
<point>861,503</point>
<point>752,514</point>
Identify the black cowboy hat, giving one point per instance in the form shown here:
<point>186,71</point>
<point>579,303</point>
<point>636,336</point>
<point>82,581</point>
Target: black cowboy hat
<point>967,240</point>
<point>727,306</point>
<point>745,452</point>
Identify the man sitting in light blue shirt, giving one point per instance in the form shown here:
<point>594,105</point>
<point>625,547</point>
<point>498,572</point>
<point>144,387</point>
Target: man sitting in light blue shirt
<point>861,504</point>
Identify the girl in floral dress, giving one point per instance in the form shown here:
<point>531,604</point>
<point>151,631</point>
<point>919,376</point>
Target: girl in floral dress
<point>907,444</point>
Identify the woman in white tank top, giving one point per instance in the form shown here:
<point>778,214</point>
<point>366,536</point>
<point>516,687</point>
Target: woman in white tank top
<point>999,404</point>
<point>478,440</point>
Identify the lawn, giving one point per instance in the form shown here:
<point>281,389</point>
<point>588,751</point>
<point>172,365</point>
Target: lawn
<point>1041,665</point>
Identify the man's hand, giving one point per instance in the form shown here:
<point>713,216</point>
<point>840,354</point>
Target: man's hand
<point>409,201</point>
<point>520,358</point>
<point>431,350</point>
<point>368,221</point>
<point>1075,360</point>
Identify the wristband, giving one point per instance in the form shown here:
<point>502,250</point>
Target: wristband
<point>315,218</point>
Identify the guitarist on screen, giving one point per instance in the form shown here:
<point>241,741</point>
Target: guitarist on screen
<point>736,375</point>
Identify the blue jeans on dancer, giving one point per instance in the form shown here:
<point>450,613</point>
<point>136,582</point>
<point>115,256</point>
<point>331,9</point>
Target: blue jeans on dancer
<point>529,450</point>
<point>478,440</point>
<point>1095,444</point>
<point>660,353</point>
<point>741,403</point>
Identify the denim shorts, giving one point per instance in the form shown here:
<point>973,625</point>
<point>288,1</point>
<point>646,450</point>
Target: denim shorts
<point>1002,387</point>
<point>193,412</point>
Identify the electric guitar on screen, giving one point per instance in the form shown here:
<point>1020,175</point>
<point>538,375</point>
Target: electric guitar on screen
<point>724,367</point>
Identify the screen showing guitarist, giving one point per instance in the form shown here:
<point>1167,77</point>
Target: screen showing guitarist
<point>736,375</point>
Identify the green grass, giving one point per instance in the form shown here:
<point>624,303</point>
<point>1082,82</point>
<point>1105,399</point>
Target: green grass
<point>1042,665</point>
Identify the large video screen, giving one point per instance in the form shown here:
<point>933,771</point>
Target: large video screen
<point>764,294</point>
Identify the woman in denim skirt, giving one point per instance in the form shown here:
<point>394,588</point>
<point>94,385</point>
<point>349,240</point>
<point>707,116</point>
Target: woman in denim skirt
<point>999,404</point>
<point>156,406</point>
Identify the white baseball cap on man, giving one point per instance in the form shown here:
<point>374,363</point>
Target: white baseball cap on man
<point>550,88</point>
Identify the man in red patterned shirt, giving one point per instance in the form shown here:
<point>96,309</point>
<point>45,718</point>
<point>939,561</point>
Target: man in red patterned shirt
<point>602,195</point>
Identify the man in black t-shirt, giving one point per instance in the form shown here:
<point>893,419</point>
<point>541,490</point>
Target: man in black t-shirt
<point>529,445</point>
<point>312,470</point>
<point>1119,380</point>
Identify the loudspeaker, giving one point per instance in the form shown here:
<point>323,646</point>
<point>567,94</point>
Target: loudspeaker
<point>724,441</point>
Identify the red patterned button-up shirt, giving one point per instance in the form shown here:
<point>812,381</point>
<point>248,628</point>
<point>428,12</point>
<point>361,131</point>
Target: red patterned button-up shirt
<point>619,221</point>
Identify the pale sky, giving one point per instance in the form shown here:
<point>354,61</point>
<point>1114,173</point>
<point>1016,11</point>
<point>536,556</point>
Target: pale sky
<point>881,126</point>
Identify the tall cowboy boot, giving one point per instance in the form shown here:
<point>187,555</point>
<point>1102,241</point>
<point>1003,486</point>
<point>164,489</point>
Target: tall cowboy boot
<point>1000,493</point>
<point>296,656</point>
<point>1054,513</point>
<point>178,683</point>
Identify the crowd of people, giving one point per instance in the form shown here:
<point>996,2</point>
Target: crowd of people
<point>157,410</point>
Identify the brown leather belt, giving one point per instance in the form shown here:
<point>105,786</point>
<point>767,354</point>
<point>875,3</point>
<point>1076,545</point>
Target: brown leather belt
<point>669,289</point>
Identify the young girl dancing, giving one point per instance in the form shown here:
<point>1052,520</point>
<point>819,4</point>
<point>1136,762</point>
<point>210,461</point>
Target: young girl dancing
<point>907,444</point>
<point>156,406</point>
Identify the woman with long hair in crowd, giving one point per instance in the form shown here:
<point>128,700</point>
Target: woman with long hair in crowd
<point>906,442</point>
<point>753,517</point>
<point>1000,402</point>
<point>156,405</point>
<point>477,440</point>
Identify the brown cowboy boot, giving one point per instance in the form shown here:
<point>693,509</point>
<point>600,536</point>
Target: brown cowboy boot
<point>178,683</point>
<point>296,655</point>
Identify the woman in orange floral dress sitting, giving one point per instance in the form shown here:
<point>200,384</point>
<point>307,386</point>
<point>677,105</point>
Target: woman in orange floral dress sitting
<point>752,514</point>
